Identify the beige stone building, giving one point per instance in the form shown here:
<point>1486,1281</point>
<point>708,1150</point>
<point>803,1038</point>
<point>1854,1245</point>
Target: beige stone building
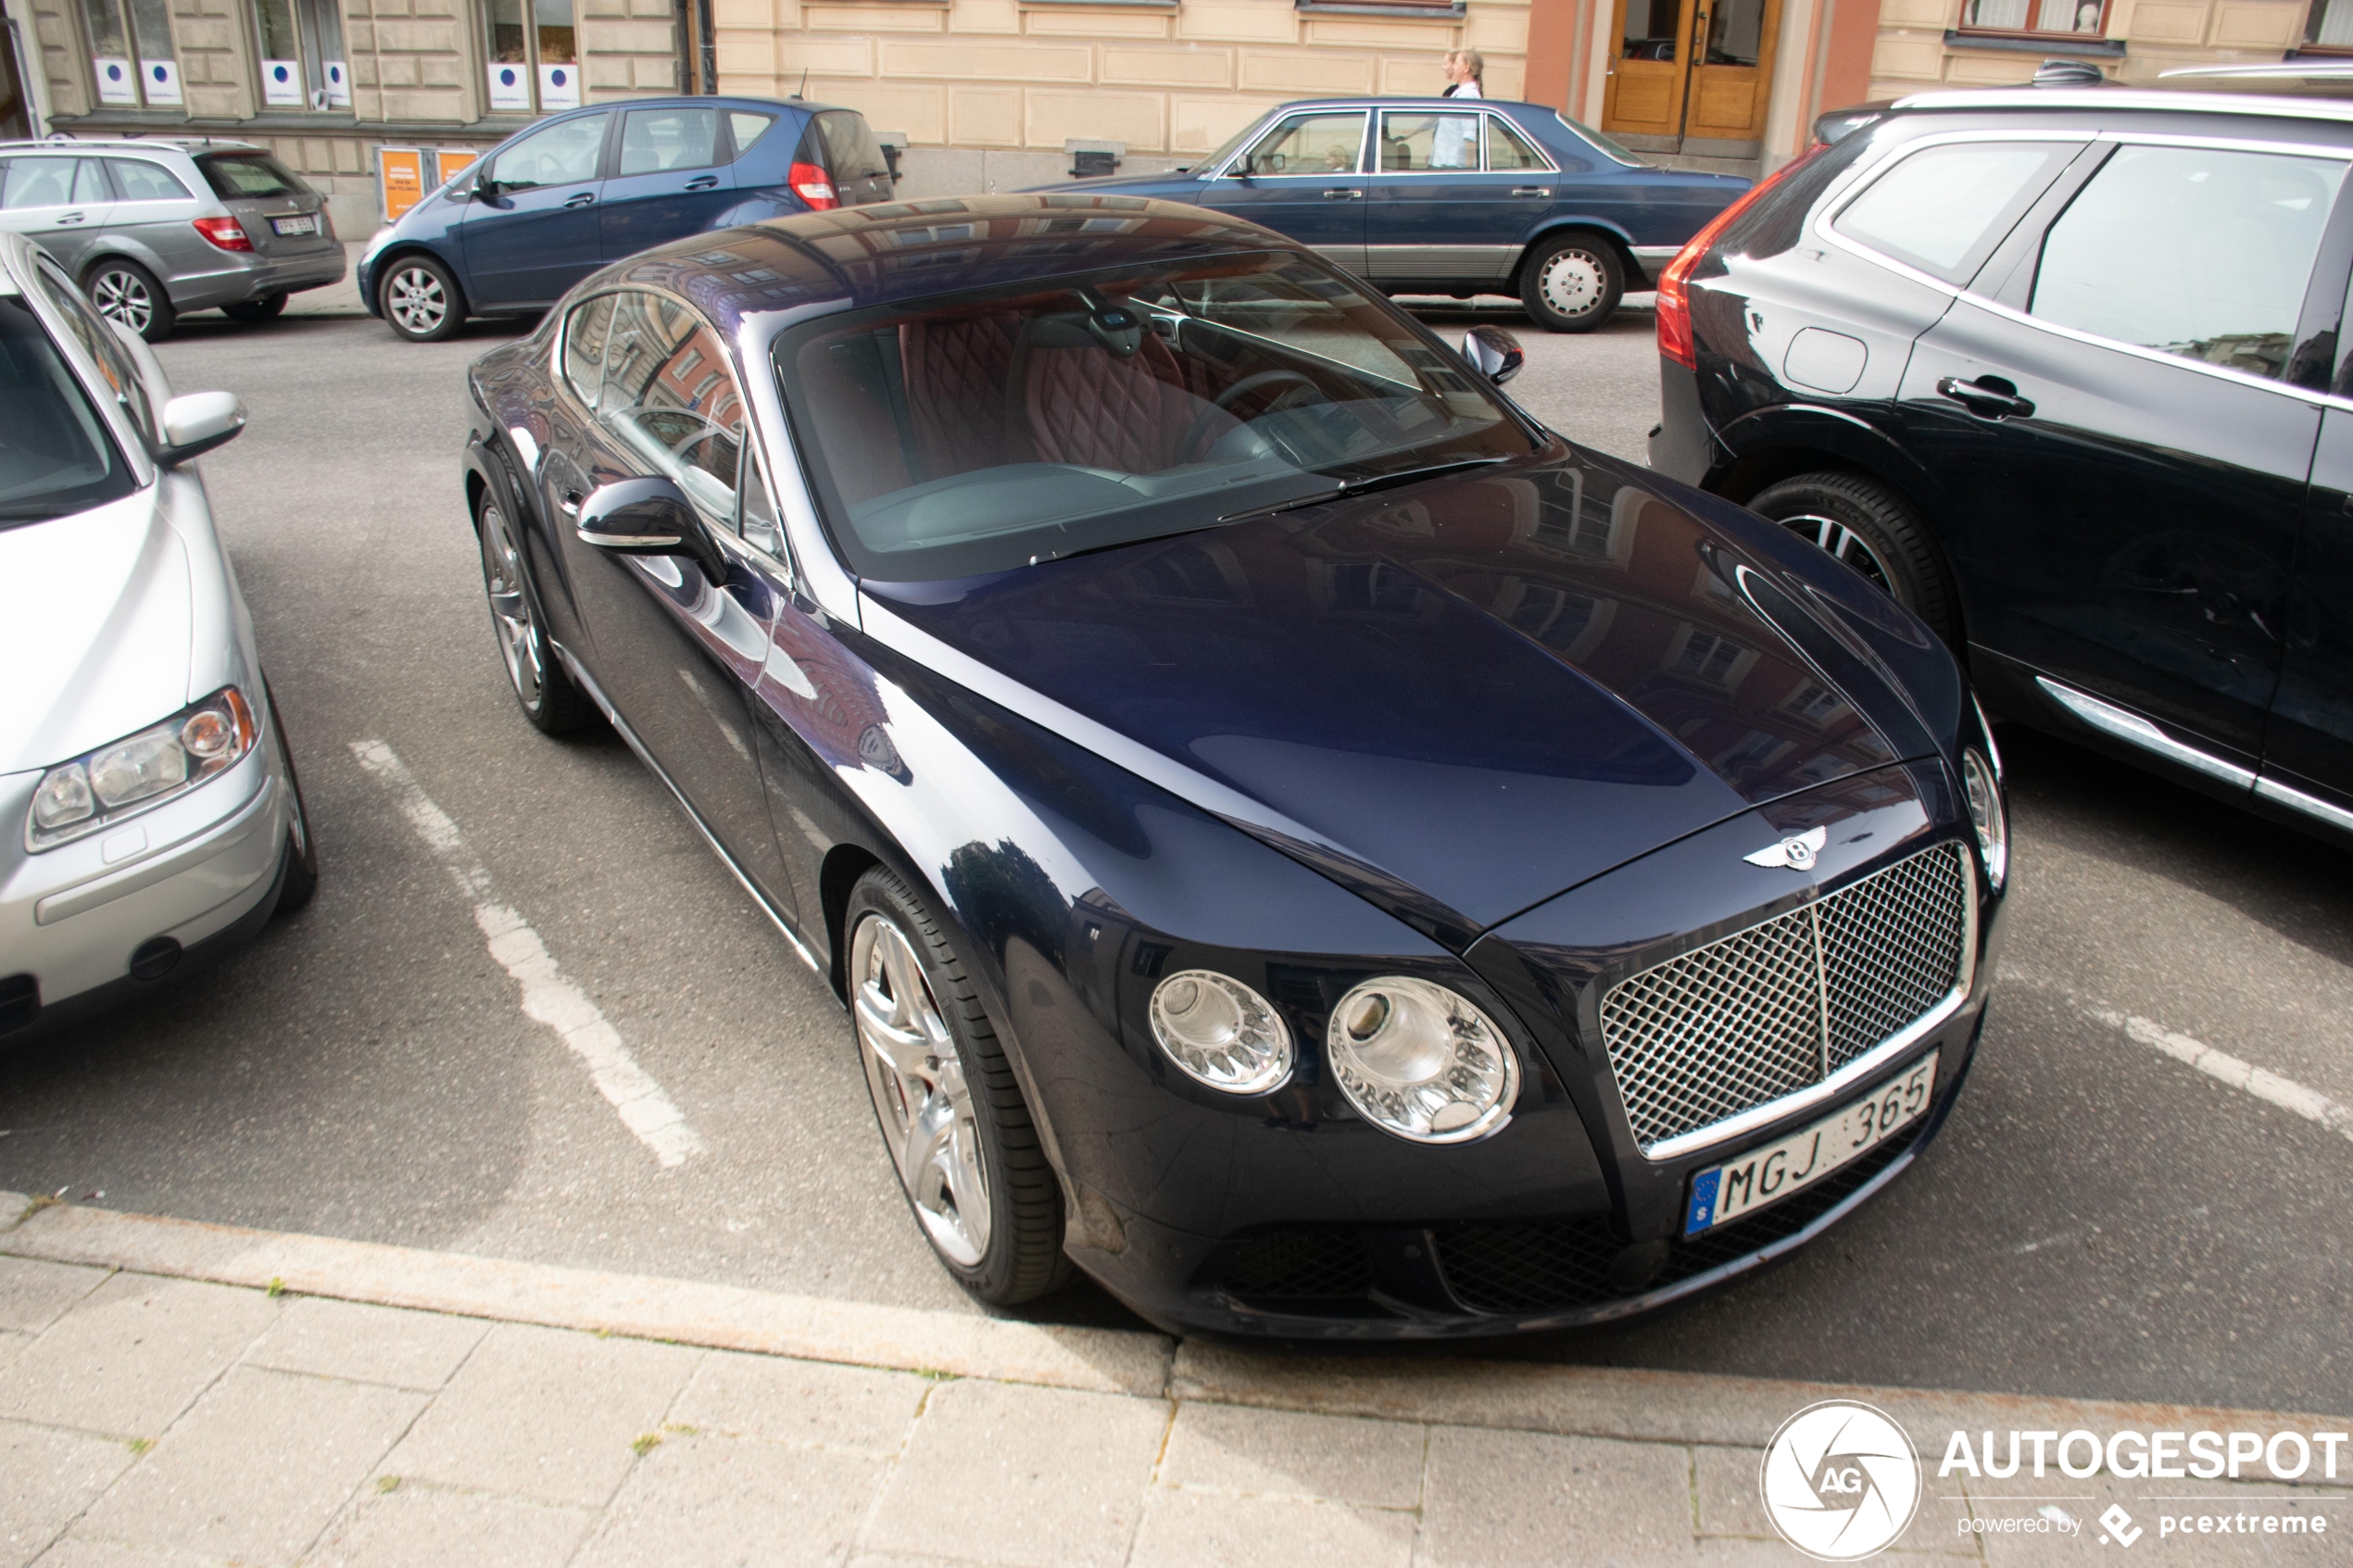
<point>1001,91</point>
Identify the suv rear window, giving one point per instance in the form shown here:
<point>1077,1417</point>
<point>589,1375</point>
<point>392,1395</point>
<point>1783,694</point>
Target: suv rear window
<point>240,176</point>
<point>55,457</point>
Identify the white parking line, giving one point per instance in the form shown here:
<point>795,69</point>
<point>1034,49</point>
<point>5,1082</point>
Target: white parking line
<point>2264,1085</point>
<point>547,997</point>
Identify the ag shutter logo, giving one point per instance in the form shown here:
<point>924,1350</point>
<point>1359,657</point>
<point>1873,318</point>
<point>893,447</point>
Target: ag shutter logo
<point>1841,1481</point>
<point>2120,1524</point>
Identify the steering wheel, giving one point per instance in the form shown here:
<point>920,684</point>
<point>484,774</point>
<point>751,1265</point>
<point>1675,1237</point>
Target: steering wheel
<point>1223,401</point>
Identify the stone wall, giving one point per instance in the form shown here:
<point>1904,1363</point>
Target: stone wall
<point>2159,35</point>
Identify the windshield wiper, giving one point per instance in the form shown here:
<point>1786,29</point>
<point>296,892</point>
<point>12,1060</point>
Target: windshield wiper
<point>1361,486</point>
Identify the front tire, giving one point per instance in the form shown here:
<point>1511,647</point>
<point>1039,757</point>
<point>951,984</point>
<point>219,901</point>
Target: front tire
<point>1573,283</point>
<point>252,312</point>
<point>952,1118</point>
<point>128,295</point>
<point>419,299</point>
<point>302,850</point>
<point>1875,534</point>
<point>548,699</point>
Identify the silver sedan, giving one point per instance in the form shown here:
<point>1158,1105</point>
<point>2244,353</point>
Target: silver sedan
<point>149,813</point>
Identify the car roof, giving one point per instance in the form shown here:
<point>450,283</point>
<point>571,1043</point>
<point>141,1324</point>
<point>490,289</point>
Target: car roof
<point>1402,100</point>
<point>2126,100</point>
<point>191,145</point>
<point>855,256</point>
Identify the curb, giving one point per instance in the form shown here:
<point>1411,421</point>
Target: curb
<point>1635,1406</point>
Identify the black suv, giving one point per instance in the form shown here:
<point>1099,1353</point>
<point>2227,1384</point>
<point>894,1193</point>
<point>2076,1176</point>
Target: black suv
<point>2060,370</point>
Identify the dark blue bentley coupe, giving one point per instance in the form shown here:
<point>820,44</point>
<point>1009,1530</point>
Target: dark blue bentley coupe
<point>1455,196</point>
<point>1294,837</point>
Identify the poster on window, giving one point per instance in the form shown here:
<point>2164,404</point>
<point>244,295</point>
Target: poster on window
<point>159,80</point>
<point>115,85</point>
<point>559,88</point>
<point>282,82</point>
<point>510,88</point>
<point>338,85</point>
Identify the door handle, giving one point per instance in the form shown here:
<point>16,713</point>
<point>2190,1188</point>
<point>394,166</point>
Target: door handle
<point>570,502</point>
<point>1530,190</point>
<point>65,218</point>
<point>1988,396</point>
<point>583,199</point>
<point>703,182</point>
<point>1341,195</point>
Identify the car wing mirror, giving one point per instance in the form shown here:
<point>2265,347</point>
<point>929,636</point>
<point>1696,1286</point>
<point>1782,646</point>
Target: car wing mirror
<point>647,517</point>
<point>196,422</point>
<point>1493,353</point>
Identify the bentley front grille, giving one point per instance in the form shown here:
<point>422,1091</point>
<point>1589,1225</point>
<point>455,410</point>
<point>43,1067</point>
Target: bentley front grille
<point>1779,1008</point>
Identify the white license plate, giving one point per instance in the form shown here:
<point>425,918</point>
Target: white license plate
<point>1767,1176</point>
<point>304,225</point>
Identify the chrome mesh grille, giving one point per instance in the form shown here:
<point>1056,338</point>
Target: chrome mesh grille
<point>1780,1006</point>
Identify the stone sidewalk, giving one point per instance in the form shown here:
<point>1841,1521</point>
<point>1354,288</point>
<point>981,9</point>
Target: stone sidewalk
<point>184,1394</point>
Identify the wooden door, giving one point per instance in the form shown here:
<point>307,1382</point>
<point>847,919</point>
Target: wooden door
<point>1732,68</point>
<point>1645,87</point>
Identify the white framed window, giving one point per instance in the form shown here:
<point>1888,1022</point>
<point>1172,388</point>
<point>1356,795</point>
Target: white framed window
<point>301,53</point>
<point>534,55</point>
<point>131,59</point>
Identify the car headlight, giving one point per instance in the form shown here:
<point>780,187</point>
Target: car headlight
<point>1982,788</point>
<point>138,773</point>
<point>1221,1033</point>
<point>1420,1061</point>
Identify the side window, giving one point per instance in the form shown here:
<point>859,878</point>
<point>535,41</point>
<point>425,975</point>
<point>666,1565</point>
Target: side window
<point>1428,141</point>
<point>97,340</point>
<point>670,399</point>
<point>655,139</point>
<point>748,128</point>
<point>1307,143</point>
<point>563,154</point>
<point>41,182</point>
<point>585,333</point>
<point>2203,252</point>
<point>1944,209</point>
<point>1507,150</point>
<point>140,181</point>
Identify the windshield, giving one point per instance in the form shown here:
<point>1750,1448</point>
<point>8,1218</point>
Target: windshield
<point>1607,147</point>
<point>55,454</point>
<point>235,176</point>
<point>982,432</point>
<point>1209,164</point>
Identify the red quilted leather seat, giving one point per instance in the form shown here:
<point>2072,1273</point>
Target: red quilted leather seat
<point>1085,405</point>
<point>959,410</point>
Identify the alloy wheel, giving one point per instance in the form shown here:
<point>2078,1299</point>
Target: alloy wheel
<point>1573,283</point>
<point>1845,544</point>
<point>121,296</point>
<point>510,616</point>
<point>920,1091</point>
<point>415,300</point>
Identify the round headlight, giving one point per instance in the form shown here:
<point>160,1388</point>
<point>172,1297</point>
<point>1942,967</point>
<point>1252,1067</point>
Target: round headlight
<point>1419,1060</point>
<point>1984,794</point>
<point>1220,1032</point>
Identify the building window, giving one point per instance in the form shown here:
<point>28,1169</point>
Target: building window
<point>302,65</point>
<point>2330,26</point>
<point>534,68</point>
<point>131,53</point>
<point>2079,18</point>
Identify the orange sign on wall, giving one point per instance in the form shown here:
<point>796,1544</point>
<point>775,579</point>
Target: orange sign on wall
<point>450,162</point>
<point>400,171</point>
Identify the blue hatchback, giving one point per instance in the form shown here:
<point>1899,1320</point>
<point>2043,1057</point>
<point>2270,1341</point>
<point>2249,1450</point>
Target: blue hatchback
<point>1458,196</point>
<point>555,202</point>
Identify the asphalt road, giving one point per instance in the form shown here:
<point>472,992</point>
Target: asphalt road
<point>2100,1218</point>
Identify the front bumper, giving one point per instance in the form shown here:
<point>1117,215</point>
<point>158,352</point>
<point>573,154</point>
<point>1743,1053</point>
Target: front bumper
<point>70,921</point>
<point>248,277</point>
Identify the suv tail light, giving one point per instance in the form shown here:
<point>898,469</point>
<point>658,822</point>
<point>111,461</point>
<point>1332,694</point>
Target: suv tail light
<point>811,184</point>
<point>1675,341</point>
<point>225,232</point>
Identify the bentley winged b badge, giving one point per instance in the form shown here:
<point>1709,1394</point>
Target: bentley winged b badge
<point>1797,853</point>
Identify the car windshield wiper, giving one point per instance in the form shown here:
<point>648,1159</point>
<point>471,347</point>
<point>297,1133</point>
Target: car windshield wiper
<point>1360,486</point>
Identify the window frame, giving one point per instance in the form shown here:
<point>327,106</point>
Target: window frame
<point>140,60</point>
<point>2312,20</point>
<point>1987,245</point>
<point>1963,28</point>
<point>1365,114</point>
<point>321,69</point>
<point>532,64</point>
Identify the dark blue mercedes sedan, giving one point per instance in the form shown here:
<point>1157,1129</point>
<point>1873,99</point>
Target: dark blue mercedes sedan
<point>1455,196</point>
<point>553,202</point>
<point>1293,837</point>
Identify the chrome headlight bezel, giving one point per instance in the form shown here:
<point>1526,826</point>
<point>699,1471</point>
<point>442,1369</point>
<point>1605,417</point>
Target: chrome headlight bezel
<point>126,778</point>
<point>1220,1033</point>
<point>1443,1053</point>
<point>1982,797</point>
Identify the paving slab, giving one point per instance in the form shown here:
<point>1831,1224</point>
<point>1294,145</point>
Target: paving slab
<point>33,1294</point>
<point>1029,1477</point>
<point>805,1402</point>
<point>700,1501</point>
<point>132,1354</point>
<point>257,1469</point>
<point>420,1527</point>
<point>1282,1453</point>
<point>47,1477</point>
<point>363,1344</point>
<point>542,1413</point>
<point>1495,1499</point>
<point>1187,1529</point>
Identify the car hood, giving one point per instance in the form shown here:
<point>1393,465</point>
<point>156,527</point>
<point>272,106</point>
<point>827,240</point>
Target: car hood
<point>1460,699</point>
<point>1130,184</point>
<point>95,625</point>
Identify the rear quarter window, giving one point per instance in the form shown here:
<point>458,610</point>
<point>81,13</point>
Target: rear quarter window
<point>140,181</point>
<point>1944,209</point>
<point>242,176</point>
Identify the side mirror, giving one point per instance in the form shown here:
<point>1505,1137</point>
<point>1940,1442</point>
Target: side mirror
<point>1493,353</point>
<point>647,517</point>
<point>196,422</point>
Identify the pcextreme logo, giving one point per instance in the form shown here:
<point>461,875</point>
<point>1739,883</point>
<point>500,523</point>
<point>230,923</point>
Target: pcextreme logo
<point>1841,1481</point>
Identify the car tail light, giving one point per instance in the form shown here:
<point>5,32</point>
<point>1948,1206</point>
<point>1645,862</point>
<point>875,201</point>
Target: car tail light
<point>1675,341</point>
<point>225,232</point>
<point>810,181</point>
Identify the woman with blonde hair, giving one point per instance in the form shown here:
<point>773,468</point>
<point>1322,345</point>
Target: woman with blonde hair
<point>1465,74</point>
<point>1456,142</point>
